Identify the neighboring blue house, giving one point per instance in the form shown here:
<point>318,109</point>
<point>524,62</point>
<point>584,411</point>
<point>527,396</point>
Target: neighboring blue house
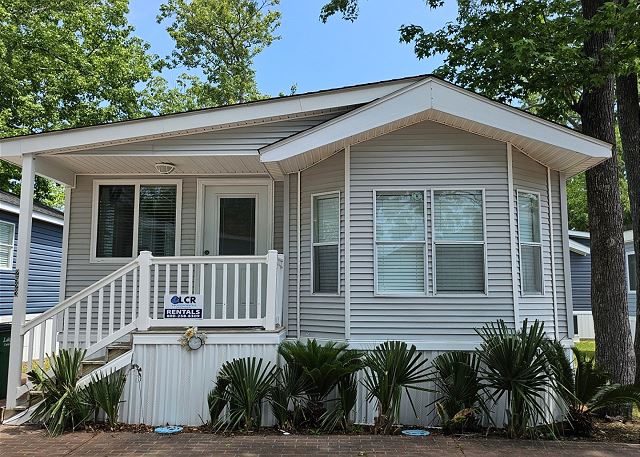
<point>45,260</point>
<point>581,281</point>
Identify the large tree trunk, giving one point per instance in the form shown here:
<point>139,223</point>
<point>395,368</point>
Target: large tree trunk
<point>614,349</point>
<point>629,124</point>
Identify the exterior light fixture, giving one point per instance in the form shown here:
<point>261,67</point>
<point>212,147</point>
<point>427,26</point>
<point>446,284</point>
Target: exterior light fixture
<point>165,168</point>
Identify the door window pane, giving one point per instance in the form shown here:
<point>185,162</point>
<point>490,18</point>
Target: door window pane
<point>115,221</point>
<point>237,226</point>
<point>157,220</point>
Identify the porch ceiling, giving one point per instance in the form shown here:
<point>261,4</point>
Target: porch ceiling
<point>95,164</point>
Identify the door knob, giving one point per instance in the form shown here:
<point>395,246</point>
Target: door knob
<point>206,252</point>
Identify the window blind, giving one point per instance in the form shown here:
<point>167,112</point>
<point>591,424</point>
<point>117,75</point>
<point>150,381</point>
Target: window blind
<point>631,269</point>
<point>529,217</point>
<point>326,248</point>
<point>157,220</point>
<point>115,221</point>
<point>7,235</point>
<point>458,217</point>
<point>400,242</point>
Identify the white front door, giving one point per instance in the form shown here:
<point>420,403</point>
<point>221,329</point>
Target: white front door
<point>236,222</point>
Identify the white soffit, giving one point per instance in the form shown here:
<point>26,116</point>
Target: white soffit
<point>431,99</point>
<point>198,121</point>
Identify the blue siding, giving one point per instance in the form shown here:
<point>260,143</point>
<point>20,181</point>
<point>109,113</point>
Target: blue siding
<point>44,268</point>
<point>581,280</point>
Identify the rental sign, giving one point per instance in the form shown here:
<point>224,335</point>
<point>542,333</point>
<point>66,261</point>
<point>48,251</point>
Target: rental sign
<point>183,306</point>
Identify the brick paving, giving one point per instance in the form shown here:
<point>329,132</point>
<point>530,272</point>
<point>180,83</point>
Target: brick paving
<point>23,441</point>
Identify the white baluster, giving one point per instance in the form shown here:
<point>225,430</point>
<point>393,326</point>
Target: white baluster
<point>100,311</point>
<point>213,291</point>
<point>112,306</point>
<point>43,337</point>
<point>65,329</point>
<point>87,342</point>
<point>190,287</point>
<point>134,294</point>
<point>224,291</point>
<point>123,299</point>
<point>76,326</point>
<point>259,293</point>
<point>30,350</point>
<point>179,281</point>
<point>247,292</point>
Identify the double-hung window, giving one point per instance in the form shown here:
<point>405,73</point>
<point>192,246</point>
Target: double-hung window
<point>531,282</point>
<point>130,218</point>
<point>7,235</point>
<point>459,242</point>
<point>326,243</point>
<point>400,242</point>
<point>631,272</point>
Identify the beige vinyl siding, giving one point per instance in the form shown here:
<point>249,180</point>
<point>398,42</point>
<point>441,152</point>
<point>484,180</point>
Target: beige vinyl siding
<point>529,175</point>
<point>427,156</point>
<point>321,316</point>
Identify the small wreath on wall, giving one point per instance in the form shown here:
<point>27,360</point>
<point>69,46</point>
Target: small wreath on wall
<point>192,339</point>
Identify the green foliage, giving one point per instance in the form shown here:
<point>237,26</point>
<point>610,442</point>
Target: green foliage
<point>514,364</point>
<point>105,392</point>
<point>288,390</point>
<point>243,385</point>
<point>64,405</point>
<point>587,390</point>
<point>220,38</point>
<point>320,368</point>
<point>392,368</point>
<point>461,396</point>
<point>46,191</point>
<point>347,395</point>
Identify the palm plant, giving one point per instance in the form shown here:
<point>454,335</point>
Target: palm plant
<point>321,368</point>
<point>288,390</point>
<point>64,405</point>
<point>105,393</point>
<point>244,385</point>
<point>587,390</point>
<point>338,416</point>
<point>514,364</point>
<point>392,368</point>
<point>461,395</point>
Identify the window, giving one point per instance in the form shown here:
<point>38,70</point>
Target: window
<point>531,282</point>
<point>7,235</point>
<point>631,271</point>
<point>459,242</point>
<point>135,217</point>
<point>400,242</point>
<point>326,243</point>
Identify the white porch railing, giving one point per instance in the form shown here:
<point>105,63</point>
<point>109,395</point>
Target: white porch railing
<point>239,291</point>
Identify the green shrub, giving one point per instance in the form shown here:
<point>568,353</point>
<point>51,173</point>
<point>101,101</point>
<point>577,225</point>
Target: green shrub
<point>321,368</point>
<point>392,368</point>
<point>587,390</point>
<point>64,405</point>
<point>288,390</point>
<point>106,392</point>
<point>243,385</point>
<point>514,364</point>
<point>460,394</point>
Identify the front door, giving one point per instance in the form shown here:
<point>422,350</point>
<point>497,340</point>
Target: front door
<point>236,222</point>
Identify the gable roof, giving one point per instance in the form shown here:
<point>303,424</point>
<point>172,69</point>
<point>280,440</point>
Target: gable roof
<point>197,121</point>
<point>11,203</point>
<point>431,99</point>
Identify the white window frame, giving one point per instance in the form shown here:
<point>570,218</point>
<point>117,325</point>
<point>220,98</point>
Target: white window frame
<point>434,243</point>
<point>376,292</point>
<point>628,273</point>
<point>332,243</point>
<point>11,246</point>
<point>528,243</point>
<point>136,214</point>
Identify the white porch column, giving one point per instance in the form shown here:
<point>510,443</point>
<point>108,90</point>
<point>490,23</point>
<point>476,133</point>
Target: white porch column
<point>22,278</point>
<point>272,277</point>
<point>144,262</point>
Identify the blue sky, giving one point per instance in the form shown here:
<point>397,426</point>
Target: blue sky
<point>321,56</point>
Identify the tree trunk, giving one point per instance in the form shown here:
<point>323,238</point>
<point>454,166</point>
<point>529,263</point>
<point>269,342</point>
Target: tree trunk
<point>614,349</point>
<point>629,124</point>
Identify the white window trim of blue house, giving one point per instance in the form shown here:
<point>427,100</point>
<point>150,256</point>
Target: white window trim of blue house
<point>449,242</point>
<point>314,244</point>
<point>12,227</point>
<point>136,213</point>
<point>628,272</point>
<point>526,243</point>
<point>376,242</point>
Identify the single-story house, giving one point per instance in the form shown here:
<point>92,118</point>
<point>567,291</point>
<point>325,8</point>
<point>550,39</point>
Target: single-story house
<point>408,209</point>
<point>45,257</point>
<point>581,281</point>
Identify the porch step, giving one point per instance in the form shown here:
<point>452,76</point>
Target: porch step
<point>88,366</point>
<point>116,350</point>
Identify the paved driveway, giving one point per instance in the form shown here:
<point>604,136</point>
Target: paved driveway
<point>20,441</point>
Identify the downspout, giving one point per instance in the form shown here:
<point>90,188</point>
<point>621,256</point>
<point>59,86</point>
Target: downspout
<point>298,331</point>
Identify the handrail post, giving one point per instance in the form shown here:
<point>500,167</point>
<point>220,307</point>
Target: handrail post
<point>272,267</point>
<point>144,263</point>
